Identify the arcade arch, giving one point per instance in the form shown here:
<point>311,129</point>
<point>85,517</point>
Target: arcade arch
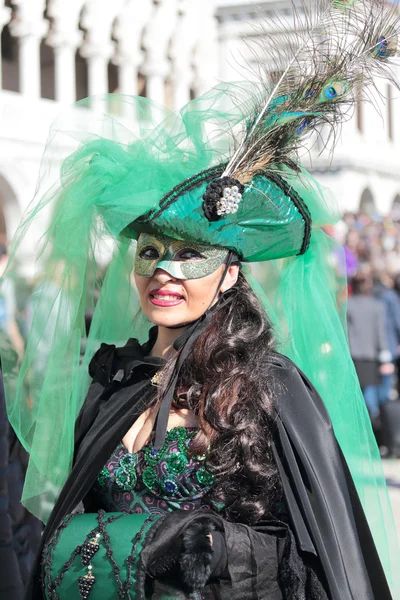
<point>9,210</point>
<point>367,202</point>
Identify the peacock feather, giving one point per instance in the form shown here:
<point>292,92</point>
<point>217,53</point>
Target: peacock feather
<point>327,56</point>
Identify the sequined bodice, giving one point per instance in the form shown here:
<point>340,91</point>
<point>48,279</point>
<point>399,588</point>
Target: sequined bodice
<point>155,481</point>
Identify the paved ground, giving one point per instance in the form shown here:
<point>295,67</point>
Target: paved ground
<point>392,474</point>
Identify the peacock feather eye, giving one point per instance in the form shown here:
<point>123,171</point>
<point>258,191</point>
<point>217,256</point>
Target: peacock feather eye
<point>386,45</point>
<point>332,91</point>
<point>302,126</point>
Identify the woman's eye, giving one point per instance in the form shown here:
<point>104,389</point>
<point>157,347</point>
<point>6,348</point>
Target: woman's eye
<point>187,254</point>
<point>149,253</point>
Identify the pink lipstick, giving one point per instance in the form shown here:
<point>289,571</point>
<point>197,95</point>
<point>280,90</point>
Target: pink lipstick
<point>165,298</point>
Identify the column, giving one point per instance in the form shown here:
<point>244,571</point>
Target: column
<point>206,51</point>
<point>181,52</point>
<point>156,71</point>
<point>97,58</point>
<point>30,27</point>
<point>5,15</point>
<point>65,84</point>
<point>127,76</point>
<point>97,19</point>
<point>156,41</point>
<point>182,85</point>
<point>128,32</point>
<point>65,38</point>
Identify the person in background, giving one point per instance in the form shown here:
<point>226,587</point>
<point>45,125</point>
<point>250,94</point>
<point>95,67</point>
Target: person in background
<point>383,291</point>
<point>20,531</point>
<point>8,310</point>
<point>350,252</point>
<point>368,342</point>
<point>396,288</point>
<point>11,586</point>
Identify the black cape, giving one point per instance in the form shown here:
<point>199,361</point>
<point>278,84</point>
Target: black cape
<point>325,513</point>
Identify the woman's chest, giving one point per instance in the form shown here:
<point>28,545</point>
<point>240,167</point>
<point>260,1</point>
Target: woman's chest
<point>155,481</point>
<point>140,432</point>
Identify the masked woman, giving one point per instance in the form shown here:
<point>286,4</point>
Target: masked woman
<point>196,459</point>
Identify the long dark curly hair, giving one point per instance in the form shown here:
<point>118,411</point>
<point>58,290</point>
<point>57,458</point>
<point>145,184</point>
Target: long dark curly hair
<point>228,386</point>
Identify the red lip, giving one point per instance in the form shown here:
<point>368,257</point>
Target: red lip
<point>165,293</point>
<point>160,302</point>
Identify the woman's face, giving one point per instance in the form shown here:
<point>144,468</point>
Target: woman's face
<point>176,280</point>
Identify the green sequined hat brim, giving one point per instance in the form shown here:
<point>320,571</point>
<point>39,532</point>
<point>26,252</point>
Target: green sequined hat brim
<point>273,221</point>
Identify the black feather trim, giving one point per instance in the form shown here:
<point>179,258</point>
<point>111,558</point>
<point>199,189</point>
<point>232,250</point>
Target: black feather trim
<point>196,558</point>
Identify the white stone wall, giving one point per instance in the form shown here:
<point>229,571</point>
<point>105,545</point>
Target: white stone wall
<point>57,51</point>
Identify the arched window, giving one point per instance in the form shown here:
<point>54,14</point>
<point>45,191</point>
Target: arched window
<point>396,208</point>
<point>9,61</point>
<point>81,69</point>
<point>47,73</point>
<point>367,204</point>
<point>8,207</point>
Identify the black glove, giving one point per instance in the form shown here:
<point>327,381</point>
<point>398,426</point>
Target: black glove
<point>190,558</point>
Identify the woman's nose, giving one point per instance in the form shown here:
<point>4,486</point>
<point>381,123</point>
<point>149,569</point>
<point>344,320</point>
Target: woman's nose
<point>162,276</point>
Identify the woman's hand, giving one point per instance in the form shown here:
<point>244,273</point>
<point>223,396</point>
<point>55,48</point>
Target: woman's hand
<point>196,558</point>
<point>189,557</point>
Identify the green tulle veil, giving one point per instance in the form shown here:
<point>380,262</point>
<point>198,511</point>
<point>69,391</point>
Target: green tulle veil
<point>108,160</point>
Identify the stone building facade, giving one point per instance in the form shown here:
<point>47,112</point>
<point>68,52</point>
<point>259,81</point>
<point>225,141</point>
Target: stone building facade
<point>54,52</point>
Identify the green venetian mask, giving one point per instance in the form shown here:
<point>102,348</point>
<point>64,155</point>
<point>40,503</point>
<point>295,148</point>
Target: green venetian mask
<point>181,259</point>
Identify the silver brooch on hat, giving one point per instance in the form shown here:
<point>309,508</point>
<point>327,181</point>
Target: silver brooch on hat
<point>222,198</point>
<point>229,201</point>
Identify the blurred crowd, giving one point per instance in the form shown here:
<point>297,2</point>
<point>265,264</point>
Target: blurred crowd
<point>372,263</point>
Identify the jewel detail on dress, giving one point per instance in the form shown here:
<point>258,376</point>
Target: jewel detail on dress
<point>89,549</point>
<point>169,485</point>
<point>178,433</point>
<point>103,476</point>
<point>152,456</point>
<point>149,478</point>
<point>176,463</point>
<point>125,474</point>
<point>85,584</point>
<point>204,477</point>
<point>125,479</point>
